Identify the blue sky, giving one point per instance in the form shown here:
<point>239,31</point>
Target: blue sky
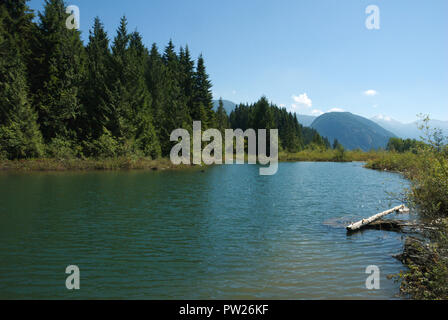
<point>310,56</point>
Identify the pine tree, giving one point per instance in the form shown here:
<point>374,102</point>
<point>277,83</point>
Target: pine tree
<point>263,115</point>
<point>19,27</point>
<point>120,105</point>
<point>336,144</point>
<point>175,112</point>
<point>203,98</point>
<point>187,78</point>
<point>59,74</point>
<point>19,132</point>
<point>155,82</point>
<point>222,118</point>
<point>146,137</point>
<point>131,101</point>
<point>97,89</point>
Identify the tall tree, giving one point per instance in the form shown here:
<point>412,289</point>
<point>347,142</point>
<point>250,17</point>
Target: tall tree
<point>19,27</point>
<point>120,96</point>
<point>175,112</point>
<point>146,137</point>
<point>19,132</point>
<point>186,65</point>
<point>97,89</point>
<point>131,101</point>
<point>59,74</point>
<point>203,98</point>
<point>155,82</point>
<point>221,117</point>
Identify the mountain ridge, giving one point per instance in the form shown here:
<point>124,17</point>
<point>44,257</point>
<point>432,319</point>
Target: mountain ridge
<point>352,131</point>
<point>408,130</point>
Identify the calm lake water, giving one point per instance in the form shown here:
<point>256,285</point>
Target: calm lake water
<point>226,233</point>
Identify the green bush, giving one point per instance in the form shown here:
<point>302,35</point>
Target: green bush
<point>60,148</point>
<point>427,277</point>
<point>17,142</point>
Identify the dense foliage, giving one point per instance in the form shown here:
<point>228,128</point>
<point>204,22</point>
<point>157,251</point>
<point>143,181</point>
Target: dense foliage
<point>110,98</point>
<point>293,137</point>
<point>403,145</point>
<point>426,165</point>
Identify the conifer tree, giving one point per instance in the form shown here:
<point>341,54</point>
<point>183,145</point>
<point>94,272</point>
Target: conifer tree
<point>19,27</point>
<point>131,100</point>
<point>59,74</point>
<point>97,89</point>
<point>155,82</point>
<point>203,98</point>
<point>146,137</point>
<point>175,112</point>
<point>95,100</point>
<point>221,117</point>
<point>187,78</point>
<point>19,132</point>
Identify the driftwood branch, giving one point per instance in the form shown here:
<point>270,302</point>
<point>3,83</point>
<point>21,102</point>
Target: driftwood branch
<point>364,222</point>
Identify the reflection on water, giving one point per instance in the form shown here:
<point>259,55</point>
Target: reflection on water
<point>226,233</point>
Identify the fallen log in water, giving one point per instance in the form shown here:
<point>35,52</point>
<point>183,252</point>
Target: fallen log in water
<point>389,225</point>
<point>364,222</point>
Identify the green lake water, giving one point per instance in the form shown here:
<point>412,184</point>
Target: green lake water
<point>226,233</point>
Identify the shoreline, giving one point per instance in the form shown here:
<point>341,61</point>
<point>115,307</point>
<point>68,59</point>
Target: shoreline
<point>136,163</point>
<point>73,165</point>
<point>83,165</point>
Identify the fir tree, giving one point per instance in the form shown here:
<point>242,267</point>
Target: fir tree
<point>175,112</point>
<point>155,82</point>
<point>19,27</point>
<point>97,89</point>
<point>221,117</point>
<point>203,99</point>
<point>19,132</point>
<point>146,137</point>
<point>60,74</point>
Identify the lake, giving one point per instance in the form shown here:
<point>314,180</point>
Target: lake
<point>226,233</point>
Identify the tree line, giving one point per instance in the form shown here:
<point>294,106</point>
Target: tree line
<point>293,137</point>
<point>111,97</point>
<point>404,145</point>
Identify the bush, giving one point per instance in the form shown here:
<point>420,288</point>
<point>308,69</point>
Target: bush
<point>17,142</point>
<point>427,278</point>
<point>62,149</point>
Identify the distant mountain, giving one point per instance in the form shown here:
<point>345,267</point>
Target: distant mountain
<point>352,131</point>
<point>305,121</point>
<point>229,106</point>
<point>408,130</point>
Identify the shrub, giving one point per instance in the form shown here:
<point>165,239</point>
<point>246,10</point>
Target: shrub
<point>60,148</point>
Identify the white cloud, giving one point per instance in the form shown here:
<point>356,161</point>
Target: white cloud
<point>303,105</point>
<point>336,110</point>
<point>316,112</point>
<point>371,93</point>
<point>302,100</point>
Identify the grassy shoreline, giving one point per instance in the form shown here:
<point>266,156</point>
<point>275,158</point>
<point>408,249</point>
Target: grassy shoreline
<point>137,163</point>
<point>110,164</point>
<point>426,256</point>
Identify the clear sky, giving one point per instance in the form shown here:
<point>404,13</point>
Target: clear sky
<point>311,56</point>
